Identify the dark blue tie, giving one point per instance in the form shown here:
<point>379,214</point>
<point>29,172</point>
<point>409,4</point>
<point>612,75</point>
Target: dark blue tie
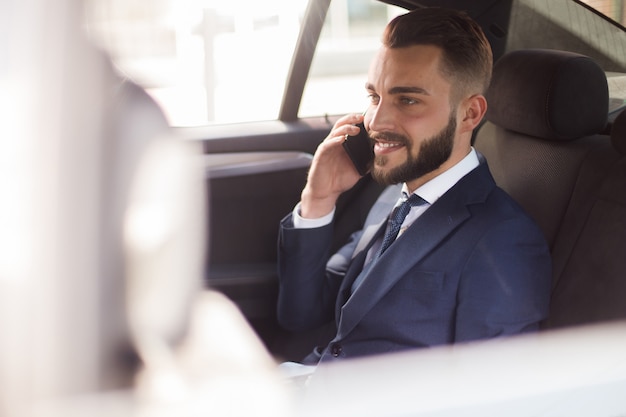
<point>397,218</point>
<point>393,228</point>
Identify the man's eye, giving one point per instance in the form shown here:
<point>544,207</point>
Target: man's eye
<point>408,100</point>
<point>373,98</point>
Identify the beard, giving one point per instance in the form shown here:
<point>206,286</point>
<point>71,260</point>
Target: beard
<point>433,152</point>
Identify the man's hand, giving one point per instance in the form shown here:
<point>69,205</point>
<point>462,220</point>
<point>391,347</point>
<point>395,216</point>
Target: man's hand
<point>331,171</point>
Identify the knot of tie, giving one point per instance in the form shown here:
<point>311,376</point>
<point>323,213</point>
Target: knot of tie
<point>397,218</point>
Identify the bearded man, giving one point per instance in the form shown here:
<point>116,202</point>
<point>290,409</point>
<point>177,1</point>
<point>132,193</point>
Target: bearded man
<point>457,259</point>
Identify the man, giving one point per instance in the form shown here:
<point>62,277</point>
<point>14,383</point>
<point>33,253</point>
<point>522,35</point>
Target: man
<point>468,263</point>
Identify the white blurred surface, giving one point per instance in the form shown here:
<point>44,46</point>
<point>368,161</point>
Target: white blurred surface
<point>102,214</point>
<point>576,372</point>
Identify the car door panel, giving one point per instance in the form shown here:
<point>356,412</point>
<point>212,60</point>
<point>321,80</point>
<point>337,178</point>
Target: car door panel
<point>254,175</point>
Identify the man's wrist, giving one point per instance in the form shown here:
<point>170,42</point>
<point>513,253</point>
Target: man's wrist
<point>300,222</point>
<point>315,207</point>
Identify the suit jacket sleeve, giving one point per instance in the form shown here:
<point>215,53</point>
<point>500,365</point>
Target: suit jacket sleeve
<point>309,276</point>
<point>307,291</point>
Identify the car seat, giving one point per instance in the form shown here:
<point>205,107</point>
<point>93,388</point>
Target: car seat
<point>545,139</point>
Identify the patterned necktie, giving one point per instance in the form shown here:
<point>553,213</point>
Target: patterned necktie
<point>393,228</point>
<point>397,218</point>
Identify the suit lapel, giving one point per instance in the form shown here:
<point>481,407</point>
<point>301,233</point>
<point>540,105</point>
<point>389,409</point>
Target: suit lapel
<point>373,233</point>
<point>435,225</point>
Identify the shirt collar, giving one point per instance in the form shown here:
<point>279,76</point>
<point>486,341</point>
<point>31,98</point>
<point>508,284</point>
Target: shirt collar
<point>435,188</point>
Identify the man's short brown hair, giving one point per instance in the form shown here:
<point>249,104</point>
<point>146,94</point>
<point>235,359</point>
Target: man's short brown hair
<point>467,59</point>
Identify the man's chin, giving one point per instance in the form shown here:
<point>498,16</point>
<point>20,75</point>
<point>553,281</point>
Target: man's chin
<point>382,175</point>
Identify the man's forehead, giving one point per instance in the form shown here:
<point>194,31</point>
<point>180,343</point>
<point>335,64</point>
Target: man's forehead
<point>414,69</point>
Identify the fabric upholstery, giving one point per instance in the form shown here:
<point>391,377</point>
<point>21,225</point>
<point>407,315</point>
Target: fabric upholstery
<point>547,148</point>
<point>618,133</point>
<point>549,94</point>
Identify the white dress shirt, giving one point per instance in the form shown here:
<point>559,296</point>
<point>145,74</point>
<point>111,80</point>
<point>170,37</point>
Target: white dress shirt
<point>431,191</point>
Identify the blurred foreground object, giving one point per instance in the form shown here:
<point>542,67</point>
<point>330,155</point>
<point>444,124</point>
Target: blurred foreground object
<point>221,369</point>
<point>102,221</point>
<point>575,372</point>
<point>200,357</point>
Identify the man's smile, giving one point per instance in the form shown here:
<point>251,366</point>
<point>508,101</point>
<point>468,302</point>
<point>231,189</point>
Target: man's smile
<point>385,143</point>
<point>386,147</point>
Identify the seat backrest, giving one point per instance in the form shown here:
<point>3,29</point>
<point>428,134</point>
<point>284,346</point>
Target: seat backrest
<point>545,142</point>
<point>589,254</point>
<point>545,110</point>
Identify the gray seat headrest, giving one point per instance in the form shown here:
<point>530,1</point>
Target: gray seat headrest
<point>549,94</point>
<point>618,133</point>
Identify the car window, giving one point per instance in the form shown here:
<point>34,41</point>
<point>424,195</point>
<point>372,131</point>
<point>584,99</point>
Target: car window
<point>613,9</point>
<point>568,25</point>
<point>210,61</point>
<point>349,39</point>
<point>204,61</point>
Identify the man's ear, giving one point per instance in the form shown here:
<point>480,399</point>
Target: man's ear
<point>474,109</point>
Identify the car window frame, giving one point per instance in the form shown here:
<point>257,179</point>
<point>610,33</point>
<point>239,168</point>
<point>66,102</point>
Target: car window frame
<point>302,58</point>
<point>309,35</point>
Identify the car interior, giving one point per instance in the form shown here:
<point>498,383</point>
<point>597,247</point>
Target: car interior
<point>551,138</point>
<point>110,232</point>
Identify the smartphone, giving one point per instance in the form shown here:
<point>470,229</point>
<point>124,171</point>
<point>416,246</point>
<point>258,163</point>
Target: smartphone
<point>360,150</point>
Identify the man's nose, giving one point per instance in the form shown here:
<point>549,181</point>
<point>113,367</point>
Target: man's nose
<point>380,117</point>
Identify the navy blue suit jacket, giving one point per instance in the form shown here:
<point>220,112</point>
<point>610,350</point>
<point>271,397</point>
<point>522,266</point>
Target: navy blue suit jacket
<point>473,266</point>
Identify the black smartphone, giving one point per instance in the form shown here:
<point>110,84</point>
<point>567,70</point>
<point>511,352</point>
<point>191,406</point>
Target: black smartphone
<point>360,150</point>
